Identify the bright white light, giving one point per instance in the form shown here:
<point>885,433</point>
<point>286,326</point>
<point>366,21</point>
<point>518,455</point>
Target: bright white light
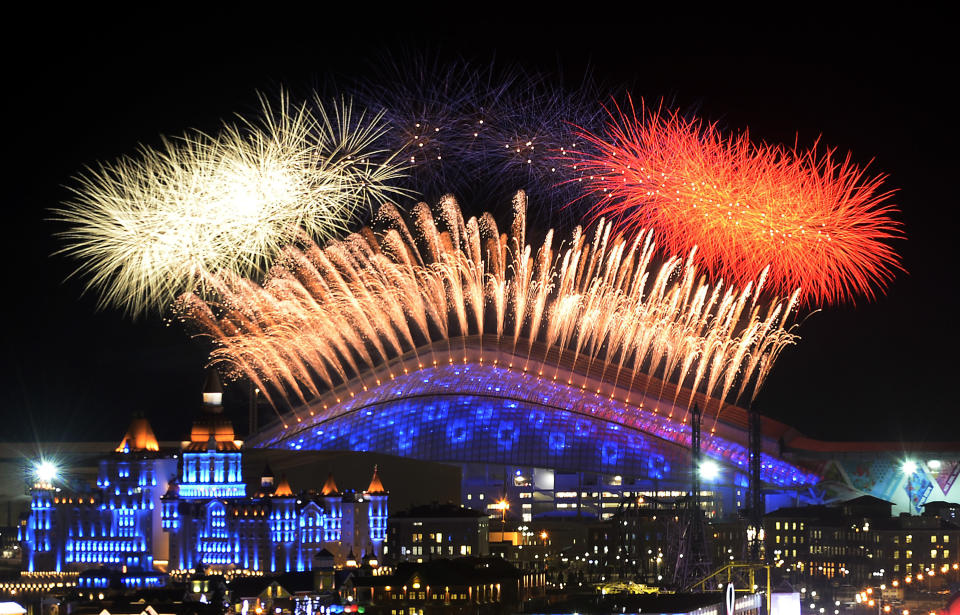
<point>909,467</point>
<point>934,464</point>
<point>709,470</point>
<point>45,472</point>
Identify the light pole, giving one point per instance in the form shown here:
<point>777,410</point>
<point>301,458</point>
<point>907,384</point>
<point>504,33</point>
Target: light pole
<point>504,506</point>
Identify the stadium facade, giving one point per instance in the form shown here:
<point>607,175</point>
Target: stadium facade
<point>545,438</point>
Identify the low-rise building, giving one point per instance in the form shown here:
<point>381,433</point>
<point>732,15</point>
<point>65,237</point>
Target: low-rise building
<point>437,531</point>
<point>462,585</point>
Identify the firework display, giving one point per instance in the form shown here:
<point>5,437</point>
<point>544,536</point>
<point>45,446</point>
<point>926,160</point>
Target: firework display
<point>148,227</point>
<point>246,232</point>
<point>482,132</point>
<point>329,313</point>
<point>818,222</point>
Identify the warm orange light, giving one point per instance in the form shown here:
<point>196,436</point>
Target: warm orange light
<point>870,590</point>
<point>871,603</point>
<point>815,219</point>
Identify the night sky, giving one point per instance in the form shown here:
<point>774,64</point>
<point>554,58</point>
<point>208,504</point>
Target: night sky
<point>83,92</point>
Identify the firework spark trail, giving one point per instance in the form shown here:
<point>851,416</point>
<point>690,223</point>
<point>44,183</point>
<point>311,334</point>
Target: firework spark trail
<point>330,314</point>
<point>482,131</point>
<point>818,222</point>
<point>148,227</point>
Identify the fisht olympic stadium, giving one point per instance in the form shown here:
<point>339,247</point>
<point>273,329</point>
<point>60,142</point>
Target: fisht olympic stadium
<point>559,441</point>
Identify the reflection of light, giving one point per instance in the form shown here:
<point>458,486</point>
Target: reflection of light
<point>709,470</point>
<point>934,464</point>
<point>46,471</point>
<point>909,467</point>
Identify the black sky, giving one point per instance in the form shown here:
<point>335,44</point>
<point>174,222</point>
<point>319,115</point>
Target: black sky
<point>89,90</point>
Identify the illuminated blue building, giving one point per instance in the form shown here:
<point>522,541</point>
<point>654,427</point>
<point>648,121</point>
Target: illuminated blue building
<point>188,508</point>
<point>213,523</point>
<point>557,437</point>
<point>115,525</point>
<point>549,439</point>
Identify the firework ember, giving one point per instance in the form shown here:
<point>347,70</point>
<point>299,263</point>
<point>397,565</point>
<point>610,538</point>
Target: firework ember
<point>820,223</point>
<point>147,228</point>
<point>484,131</point>
<point>330,314</point>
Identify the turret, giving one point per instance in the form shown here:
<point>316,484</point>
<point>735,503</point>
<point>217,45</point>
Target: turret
<point>333,505</point>
<point>267,484</point>
<point>377,512</point>
<point>213,392</point>
<point>211,464</point>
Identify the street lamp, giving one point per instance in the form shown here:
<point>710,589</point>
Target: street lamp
<point>709,470</point>
<point>503,505</point>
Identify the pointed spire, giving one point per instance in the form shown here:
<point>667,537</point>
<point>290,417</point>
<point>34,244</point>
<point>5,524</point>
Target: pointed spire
<point>139,437</point>
<point>376,487</point>
<point>283,487</point>
<point>212,392</point>
<point>330,487</point>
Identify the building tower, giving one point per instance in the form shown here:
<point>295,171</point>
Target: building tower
<point>377,513</point>
<point>755,530</point>
<point>283,526</point>
<point>114,525</point>
<point>37,537</point>
<point>692,555</point>
<point>333,504</point>
<point>211,459</point>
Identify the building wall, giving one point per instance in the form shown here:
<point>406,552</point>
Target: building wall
<point>132,517</point>
<point>420,538</point>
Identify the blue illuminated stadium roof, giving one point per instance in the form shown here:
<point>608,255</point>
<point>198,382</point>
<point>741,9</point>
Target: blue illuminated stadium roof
<point>483,413</point>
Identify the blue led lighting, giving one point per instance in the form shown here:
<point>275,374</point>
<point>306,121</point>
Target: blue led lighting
<point>486,414</point>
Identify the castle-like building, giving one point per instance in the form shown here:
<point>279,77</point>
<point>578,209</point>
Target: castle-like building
<point>188,509</point>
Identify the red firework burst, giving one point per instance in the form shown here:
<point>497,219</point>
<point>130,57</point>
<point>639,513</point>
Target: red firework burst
<point>818,223</point>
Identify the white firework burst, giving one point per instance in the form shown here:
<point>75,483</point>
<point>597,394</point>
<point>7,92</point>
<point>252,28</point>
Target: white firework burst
<point>151,226</point>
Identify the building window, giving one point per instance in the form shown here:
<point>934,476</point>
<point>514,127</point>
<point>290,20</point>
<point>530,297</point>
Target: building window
<point>933,554</point>
<point>946,554</point>
<point>933,539</point>
<point>909,554</point>
<point>909,538</point>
